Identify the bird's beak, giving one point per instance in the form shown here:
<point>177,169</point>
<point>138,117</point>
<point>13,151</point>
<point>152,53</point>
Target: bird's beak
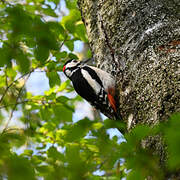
<point>86,61</point>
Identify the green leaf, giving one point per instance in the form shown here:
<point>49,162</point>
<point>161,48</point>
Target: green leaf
<point>44,36</point>
<point>56,28</point>
<point>50,126</point>
<point>70,44</point>
<point>61,55</point>
<point>27,152</point>
<point>63,113</point>
<point>63,85</point>
<point>44,169</point>
<point>138,134</point>
<point>55,154</point>
<point>55,1</point>
<point>134,175</point>
<point>53,78</point>
<point>89,53</point>
<point>48,11</point>
<point>2,81</point>
<point>172,137</point>
<point>97,125</point>
<point>19,168</point>
<point>72,56</point>
<point>21,21</point>
<point>71,4</point>
<point>5,56</point>
<point>37,159</point>
<point>78,130</point>
<point>51,66</point>
<point>41,53</point>
<point>62,99</point>
<point>81,32</point>
<point>69,21</point>
<point>45,113</point>
<point>23,62</point>
<point>14,137</point>
<point>11,73</point>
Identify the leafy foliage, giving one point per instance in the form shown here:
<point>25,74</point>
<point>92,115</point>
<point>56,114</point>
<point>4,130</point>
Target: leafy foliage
<point>46,142</point>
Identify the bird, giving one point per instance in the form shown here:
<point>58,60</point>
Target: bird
<point>94,85</point>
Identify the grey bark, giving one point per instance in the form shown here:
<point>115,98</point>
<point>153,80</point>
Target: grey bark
<point>138,41</point>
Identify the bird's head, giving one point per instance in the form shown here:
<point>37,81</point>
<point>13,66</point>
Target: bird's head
<point>70,67</point>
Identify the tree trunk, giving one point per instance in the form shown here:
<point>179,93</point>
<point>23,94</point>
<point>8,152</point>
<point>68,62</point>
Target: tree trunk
<point>138,41</point>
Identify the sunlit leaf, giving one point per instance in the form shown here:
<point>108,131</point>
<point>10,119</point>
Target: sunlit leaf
<point>172,136</point>
<point>70,44</point>
<point>53,78</point>
<point>72,56</point>
<point>63,113</point>
<point>81,32</point>
<point>41,53</point>
<point>19,168</point>
<point>48,11</point>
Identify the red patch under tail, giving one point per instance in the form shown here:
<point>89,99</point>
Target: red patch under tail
<point>112,102</point>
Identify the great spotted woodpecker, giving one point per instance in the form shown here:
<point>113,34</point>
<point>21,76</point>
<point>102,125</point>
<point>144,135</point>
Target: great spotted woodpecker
<point>94,85</point>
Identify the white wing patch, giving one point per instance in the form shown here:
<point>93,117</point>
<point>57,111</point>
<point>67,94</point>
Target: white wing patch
<point>96,86</point>
<point>107,79</point>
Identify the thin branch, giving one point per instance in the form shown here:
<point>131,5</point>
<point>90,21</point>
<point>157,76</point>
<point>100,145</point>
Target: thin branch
<point>7,88</point>
<point>61,45</point>
<point>22,102</point>
<point>19,94</point>
<point>32,70</point>
<point>6,76</point>
<point>37,101</point>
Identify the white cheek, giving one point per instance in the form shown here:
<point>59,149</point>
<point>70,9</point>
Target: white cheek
<point>68,73</point>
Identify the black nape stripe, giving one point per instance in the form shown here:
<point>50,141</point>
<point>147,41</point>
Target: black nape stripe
<point>72,68</point>
<point>93,74</point>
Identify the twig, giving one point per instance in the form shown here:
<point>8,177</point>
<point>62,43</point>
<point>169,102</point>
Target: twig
<point>19,94</point>
<point>7,88</point>
<point>22,102</point>
<point>37,101</point>
<point>13,83</point>
<point>6,76</point>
